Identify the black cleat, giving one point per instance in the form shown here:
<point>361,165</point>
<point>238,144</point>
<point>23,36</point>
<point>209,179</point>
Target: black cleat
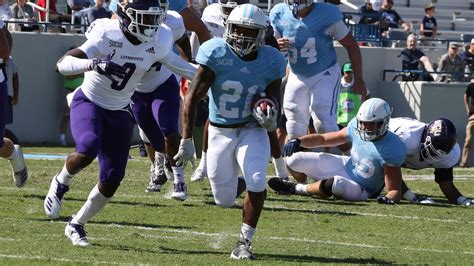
<point>282,186</point>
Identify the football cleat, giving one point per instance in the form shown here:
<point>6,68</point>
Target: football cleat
<point>199,174</point>
<point>180,191</point>
<point>423,200</point>
<point>281,186</point>
<point>54,199</point>
<point>20,176</point>
<point>157,174</point>
<point>77,234</point>
<point>243,251</point>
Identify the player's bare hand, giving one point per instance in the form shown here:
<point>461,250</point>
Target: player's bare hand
<point>360,88</point>
<point>283,44</point>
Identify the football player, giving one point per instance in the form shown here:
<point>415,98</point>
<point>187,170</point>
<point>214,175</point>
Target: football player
<point>8,150</point>
<point>114,58</point>
<point>431,145</point>
<point>375,159</point>
<point>215,17</point>
<point>190,18</point>
<point>235,69</point>
<point>306,31</point>
<point>155,105</point>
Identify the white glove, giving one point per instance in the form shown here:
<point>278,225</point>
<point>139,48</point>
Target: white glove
<point>185,152</point>
<point>267,121</point>
<point>465,202</point>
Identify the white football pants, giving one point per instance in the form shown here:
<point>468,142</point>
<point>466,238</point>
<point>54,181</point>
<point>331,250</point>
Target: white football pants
<point>233,149</point>
<point>320,166</point>
<point>313,96</point>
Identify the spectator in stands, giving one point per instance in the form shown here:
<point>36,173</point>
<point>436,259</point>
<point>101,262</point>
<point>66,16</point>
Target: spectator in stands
<point>411,59</point>
<point>452,62</point>
<point>349,101</point>
<point>74,6</point>
<point>22,11</point>
<point>468,57</point>
<point>71,82</point>
<point>98,11</point>
<point>54,15</point>
<point>5,11</point>
<point>389,18</point>
<point>370,15</point>
<point>428,26</point>
<point>13,89</point>
<point>469,104</point>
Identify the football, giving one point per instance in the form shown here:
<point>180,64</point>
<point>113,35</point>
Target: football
<point>263,102</point>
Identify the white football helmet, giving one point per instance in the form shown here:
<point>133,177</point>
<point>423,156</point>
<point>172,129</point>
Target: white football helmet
<point>297,5</point>
<point>227,6</point>
<point>373,110</point>
<point>141,18</point>
<point>250,17</point>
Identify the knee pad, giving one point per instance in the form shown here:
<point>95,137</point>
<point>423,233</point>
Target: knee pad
<point>327,118</point>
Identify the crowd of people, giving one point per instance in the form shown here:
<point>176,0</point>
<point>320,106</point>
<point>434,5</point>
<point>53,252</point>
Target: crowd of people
<point>263,78</point>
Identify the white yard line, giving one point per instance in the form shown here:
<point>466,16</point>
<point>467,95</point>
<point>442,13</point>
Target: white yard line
<point>183,233</point>
<point>26,257</point>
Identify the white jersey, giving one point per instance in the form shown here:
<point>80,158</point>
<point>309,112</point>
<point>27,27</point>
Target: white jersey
<point>410,132</point>
<point>104,37</point>
<point>158,74</point>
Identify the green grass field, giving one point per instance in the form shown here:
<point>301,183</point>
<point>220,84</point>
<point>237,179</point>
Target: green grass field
<point>143,228</point>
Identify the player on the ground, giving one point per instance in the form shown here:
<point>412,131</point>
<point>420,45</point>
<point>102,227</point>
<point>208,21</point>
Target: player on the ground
<point>215,17</point>
<point>234,70</point>
<point>431,145</point>
<point>8,150</point>
<point>306,31</point>
<point>114,58</point>
<point>375,159</point>
<point>155,105</point>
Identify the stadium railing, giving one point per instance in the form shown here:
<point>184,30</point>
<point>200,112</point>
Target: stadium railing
<point>421,74</point>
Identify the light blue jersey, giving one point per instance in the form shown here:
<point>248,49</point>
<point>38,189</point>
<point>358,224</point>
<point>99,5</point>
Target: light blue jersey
<point>237,81</point>
<point>311,49</point>
<point>369,157</point>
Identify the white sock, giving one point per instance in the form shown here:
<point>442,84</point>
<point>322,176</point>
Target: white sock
<point>247,232</point>
<point>178,173</point>
<point>301,189</point>
<point>280,167</point>
<point>202,163</point>
<point>16,161</point>
<point>14,155</point>
<point>64,177</point>
<point>409,195</point>
<point>94,204</point>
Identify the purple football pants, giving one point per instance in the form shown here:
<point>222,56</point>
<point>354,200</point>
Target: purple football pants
<point>3,108</point>
<point>157,112</point>
<point>102,133</point>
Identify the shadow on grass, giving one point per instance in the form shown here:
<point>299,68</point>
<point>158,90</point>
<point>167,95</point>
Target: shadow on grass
<point>277,209</point>
<point>66,219</point>
<point>280,257</point>
<point>121,202</point>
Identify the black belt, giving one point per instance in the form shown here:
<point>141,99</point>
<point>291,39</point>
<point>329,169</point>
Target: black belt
<point>228,126</point>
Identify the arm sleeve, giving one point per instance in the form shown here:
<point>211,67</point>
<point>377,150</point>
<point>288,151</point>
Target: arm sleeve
<point>70,65</point>
<point>338,30</point>
<point>179,66</point>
